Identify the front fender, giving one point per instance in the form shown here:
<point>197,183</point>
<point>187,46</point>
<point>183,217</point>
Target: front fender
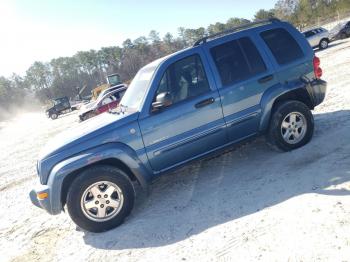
<point>108,151</point>
<point>269,97</point>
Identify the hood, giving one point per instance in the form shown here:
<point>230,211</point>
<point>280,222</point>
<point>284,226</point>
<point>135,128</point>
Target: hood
<point>49,108</point>
<point>88,107</point>
<point>86,132</point>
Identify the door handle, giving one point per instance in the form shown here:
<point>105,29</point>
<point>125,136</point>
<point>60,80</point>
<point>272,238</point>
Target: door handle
<point>204,102</point>
<point>265,79</point>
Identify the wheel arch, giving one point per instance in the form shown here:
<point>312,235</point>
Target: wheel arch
<point>120,155</point>
<point>114,162</point>
<point>324,38</point>
<point>273,99</point>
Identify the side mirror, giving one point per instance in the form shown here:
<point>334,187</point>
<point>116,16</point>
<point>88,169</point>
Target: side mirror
<point>162,100</point>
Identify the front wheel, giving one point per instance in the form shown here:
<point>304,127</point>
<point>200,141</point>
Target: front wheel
<point>100,198</point>
<point>291,126</point>
<point>53,116</point>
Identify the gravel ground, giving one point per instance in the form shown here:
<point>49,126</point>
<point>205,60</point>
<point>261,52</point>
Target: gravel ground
<point>248,204</point>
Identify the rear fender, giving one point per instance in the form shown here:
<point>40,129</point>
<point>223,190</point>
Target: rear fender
<point>271,95</point>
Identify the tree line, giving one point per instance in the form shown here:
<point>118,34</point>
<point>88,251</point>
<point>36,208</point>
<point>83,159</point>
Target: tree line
<point>65,76</point>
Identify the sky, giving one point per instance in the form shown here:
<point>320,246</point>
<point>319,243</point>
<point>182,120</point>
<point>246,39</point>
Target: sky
<point>39,30</point>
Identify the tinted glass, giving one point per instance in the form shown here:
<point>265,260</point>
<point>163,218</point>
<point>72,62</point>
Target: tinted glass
<point>237,60</point>
<point>184,79</point>
<point>255,62</point>
<point>309,34</point>
<point>282,45</point>
<point>121,94</point>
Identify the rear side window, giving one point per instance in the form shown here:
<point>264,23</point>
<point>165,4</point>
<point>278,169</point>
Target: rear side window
<point>309,33</point>
<point>282,45</point>
<point>237,60</point>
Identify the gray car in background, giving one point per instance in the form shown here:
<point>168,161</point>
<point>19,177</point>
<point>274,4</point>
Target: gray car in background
<point>317,37</point>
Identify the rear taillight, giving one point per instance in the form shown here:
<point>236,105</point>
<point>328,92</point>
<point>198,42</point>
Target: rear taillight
<point>317,68</point>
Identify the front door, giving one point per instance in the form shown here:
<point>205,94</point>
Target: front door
<point>192,124</point>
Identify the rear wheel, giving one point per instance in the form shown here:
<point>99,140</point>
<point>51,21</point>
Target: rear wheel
<point>100,198</point>
<point>291,126</point>
<point>323,44</point>
<point>343,35</point>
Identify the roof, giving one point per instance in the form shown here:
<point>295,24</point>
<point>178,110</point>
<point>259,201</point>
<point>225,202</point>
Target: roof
<point>237,28</point>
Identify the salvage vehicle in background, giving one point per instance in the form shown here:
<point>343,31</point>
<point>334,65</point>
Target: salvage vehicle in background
<point>112,81</point>
<point>317,37</point>
<point>260,78</point>
<point>107,100</point>
<point>341,31</point>
<point>60,106</point>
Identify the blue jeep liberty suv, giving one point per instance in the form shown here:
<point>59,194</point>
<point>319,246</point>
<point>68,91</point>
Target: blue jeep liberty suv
<point>259,78</point>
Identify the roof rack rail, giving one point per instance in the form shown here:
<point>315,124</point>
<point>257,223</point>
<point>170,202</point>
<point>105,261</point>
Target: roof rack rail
<point>236,28</point>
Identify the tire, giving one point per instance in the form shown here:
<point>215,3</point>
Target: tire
<point>88,205</point>
<point>284,132</point>
<point>88,116</point>
<point>323,44</point>
<point>53,116</point>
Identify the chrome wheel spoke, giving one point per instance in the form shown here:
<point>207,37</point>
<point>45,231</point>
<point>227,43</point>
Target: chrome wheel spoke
<point>95,191</point>
<point>109,191</point>
<point>299,124</point>
<point>90,204</point>
<point>285,124</point>
<point>114,203</point>
<point>101,212</point>
<point>286,135</point>
<point>292,118</point>
<point>296,135</point>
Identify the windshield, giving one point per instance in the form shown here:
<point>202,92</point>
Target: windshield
<point>114,80</point>
<point>138,87</point>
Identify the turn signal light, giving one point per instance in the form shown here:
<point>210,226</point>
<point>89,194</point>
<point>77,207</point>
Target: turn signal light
<point>42,196</point>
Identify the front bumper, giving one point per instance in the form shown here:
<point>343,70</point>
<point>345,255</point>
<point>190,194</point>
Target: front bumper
<point>42,203</point>
<point>317,90</point>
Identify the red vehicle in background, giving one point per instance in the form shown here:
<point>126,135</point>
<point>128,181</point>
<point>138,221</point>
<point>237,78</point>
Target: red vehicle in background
<point>105,102</point>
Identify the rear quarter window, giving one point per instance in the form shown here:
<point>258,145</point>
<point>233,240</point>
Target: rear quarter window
<point>282,45</point>
<point>237,60</point>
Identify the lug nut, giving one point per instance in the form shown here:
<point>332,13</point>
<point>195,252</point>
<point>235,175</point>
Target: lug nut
<point>105,195</point>
<point>107,202</point>
<point>102,205</point>
<point>96,202</point>
<point>98,196</point>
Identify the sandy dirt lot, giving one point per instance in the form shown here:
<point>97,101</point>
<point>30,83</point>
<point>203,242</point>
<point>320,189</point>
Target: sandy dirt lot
<point>248,204</point>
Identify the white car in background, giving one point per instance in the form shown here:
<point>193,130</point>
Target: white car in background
<point>317,37</point>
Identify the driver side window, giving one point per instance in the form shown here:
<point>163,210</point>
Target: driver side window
<point>184,79</point>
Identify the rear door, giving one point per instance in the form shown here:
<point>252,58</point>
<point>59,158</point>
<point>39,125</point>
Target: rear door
<point>243,74</point>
